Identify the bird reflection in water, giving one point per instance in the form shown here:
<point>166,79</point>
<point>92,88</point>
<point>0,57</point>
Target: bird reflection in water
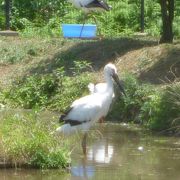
<point>82,171</point>
<point>100,153</point>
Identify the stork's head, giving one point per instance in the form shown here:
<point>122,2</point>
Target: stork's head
<point>111,71</point>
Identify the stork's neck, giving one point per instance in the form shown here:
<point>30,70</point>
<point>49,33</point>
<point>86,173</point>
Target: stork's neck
<point>109,81</point>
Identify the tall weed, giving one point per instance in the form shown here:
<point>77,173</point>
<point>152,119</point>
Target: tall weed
<point>166,114</point>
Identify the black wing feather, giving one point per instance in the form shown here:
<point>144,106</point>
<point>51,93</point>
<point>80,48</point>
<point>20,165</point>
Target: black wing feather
<point>98,4</point>
<point>73,122</point>
<point>69,121</point>
<point>61,118</point>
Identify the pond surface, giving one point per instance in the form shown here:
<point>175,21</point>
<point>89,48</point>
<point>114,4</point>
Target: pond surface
<point>119,153</point>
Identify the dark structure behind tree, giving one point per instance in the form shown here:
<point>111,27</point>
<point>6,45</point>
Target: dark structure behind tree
<point>8,6</point>
<point>167,10</point>
<point>142,16</point>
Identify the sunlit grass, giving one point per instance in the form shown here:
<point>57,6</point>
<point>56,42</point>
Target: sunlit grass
<point>29,140</point>
<point>16,51</point>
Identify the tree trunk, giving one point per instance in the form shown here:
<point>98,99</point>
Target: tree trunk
<point>167,10</point>
<point>8,5</point>
<point>142,16</point>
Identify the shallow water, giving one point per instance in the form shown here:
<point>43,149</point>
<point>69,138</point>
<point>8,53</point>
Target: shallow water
<point>120,152</point>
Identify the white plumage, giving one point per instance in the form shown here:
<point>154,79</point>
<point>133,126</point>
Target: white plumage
<point>94,88</point>
<point>90,5</point>
<point>84,112</point>
<point>98,88</point>
<point>101,88</point>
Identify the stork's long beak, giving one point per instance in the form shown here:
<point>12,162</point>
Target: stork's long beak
<point>116,79</point>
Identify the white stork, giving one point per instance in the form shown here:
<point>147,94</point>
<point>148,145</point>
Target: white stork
<point>89,6</point>
<point>101,88</point>
<point>84,112</point>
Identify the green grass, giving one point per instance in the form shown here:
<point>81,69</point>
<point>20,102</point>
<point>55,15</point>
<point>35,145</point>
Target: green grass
<point>28,140</point>
<point>17,51</point>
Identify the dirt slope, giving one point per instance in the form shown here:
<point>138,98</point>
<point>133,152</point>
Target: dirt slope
<point>149,61</point>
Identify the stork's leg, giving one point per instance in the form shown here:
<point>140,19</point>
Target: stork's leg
<point>84,143</point>
<point>81,30</point>
<point>84,19</point>
<point>101,120</point>
<point>98,30</point>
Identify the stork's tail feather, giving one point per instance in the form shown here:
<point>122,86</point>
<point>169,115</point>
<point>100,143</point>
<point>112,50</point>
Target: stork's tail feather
<point>61,118</point>
<point>65,129</point>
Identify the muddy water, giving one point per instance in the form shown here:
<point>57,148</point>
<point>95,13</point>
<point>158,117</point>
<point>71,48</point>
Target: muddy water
<point>119,153</point>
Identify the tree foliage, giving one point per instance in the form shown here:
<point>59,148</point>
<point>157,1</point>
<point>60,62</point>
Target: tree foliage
<point>123,18</point>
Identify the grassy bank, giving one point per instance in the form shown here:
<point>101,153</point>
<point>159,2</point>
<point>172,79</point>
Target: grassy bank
<point>156,108</point>
<point>27,141</point>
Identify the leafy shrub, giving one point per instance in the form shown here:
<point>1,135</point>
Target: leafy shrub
<point>33,91</point>
<point>166,114</point>
<point>55,91</point>
<point>156,108</point>
<point>80,67</point>
<point>71,89</point>
<point>50,29</point>
<point>2,20</point>
<point>129,108</point>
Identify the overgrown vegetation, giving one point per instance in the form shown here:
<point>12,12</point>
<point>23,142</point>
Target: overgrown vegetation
<point>54,91</point>
<point>165,110</point>
<point>26,140</point>
<point>129,108</point>
<point>44,17</point>
<point>157,108</point>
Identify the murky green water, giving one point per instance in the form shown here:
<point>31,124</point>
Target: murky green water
<point>120,153</point>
